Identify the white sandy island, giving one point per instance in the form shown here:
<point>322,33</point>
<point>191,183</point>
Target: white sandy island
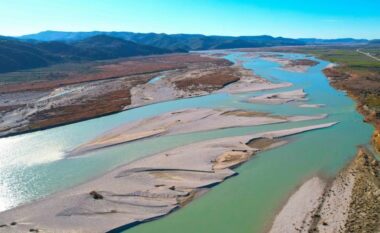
<point>311,105</point>
<point>185,121</point>
<point>280,97</point>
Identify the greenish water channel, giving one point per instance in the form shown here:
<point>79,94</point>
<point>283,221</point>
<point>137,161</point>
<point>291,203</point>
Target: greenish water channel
<point>33,165</point>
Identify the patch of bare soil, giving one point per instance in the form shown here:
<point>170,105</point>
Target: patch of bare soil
<point>262,143</point>
<point>109,103</point>
<point>209,81</point>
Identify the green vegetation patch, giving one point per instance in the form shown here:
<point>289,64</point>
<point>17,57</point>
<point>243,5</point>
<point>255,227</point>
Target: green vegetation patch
<point>349,57</point>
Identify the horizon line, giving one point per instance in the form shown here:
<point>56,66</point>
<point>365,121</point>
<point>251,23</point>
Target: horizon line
<point>80,31</point>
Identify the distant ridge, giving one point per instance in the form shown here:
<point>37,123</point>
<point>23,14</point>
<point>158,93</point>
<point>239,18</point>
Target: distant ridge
<point>316,41</point>
<point>53,47</point>
<point>375,42</point>
<point>174,42</point>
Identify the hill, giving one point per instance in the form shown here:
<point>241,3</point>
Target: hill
<point>375,42</point>
<point>106,47</point>
<point>315,41</point>
<point>175,42</point>
<point>17,55</point>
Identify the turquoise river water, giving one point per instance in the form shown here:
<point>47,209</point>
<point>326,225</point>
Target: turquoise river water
<point>33,165</point>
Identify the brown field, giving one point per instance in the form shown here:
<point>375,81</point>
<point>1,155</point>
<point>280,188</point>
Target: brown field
<point>54,77</point>
<point>112,102</point>
<point>213,80</point>
<point>100,88</point>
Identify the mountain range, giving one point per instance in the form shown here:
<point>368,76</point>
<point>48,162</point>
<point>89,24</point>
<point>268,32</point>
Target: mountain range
<point>53,47</point>
<point>174,42</point>
<point>315,41</point>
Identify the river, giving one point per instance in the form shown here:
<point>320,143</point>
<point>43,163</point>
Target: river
<point>33,165</point>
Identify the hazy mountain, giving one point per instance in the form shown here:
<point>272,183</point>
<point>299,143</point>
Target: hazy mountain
<point>106,47</point>
<point>316,41</point>
<point>51,47</point>
<point>59,36</point>
<point>176,42</point>
<point>375,42</point>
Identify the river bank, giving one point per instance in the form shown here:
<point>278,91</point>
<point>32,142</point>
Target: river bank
<point>364,94</point>
<point>348,203</point>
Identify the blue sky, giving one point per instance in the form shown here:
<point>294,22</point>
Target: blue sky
<point>288,18</point>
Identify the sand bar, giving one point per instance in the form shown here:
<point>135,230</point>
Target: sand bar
<point>185,121</point>
<point>142,190</point>
<point>311,105</point>
<point>280,97</point>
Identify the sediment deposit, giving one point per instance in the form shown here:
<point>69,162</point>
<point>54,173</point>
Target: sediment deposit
<point>142,190</point>
<point>185,121</point>
<point>280,97</point>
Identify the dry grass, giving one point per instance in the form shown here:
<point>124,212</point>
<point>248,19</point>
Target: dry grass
<point>41,79</point>
<point>209,81</point>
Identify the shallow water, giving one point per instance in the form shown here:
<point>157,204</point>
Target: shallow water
<point>32,165</point>
<point>155,79</point>
<point>247,202</point>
